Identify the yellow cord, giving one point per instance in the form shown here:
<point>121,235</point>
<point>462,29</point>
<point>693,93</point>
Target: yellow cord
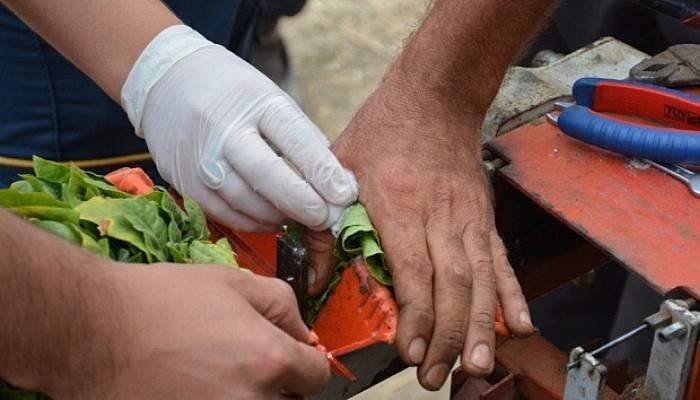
<point>85,164</point>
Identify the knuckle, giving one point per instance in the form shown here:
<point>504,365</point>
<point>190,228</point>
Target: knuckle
<point>459,277</point>
<point>443,195</point>
<point>416,268</point>
<point>275,361</point>
<point>486,284</point>
<point>452,339</point>
<point>483,320</point>
<point>515,293</point>
<point>283,291</point>
<point>482,264</point>
<point>415,311</point>
<point>507,273</point>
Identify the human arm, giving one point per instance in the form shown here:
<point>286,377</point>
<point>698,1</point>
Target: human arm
<point>415,149</point>
<point>76,326</point>
<point>209,118</point>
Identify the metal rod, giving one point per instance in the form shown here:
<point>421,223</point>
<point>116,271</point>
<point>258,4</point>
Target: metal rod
<point>629,335</point>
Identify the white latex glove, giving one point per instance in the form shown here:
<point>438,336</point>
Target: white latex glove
<point>209,118</point>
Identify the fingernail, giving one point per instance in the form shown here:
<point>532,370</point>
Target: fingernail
<point>416,351</point>
<point>481,356</point>
<point>525,319</point>
<point>436,375</point>
<point>311,279</point>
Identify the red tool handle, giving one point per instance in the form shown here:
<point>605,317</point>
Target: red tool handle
<point>667,106</point>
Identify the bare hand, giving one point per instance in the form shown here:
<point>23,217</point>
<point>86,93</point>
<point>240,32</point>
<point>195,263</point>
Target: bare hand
<point>205,332</point>
<point>424,185</point>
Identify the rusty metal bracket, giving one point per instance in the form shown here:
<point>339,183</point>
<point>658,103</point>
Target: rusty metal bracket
<point>585,381</point>
<point>672,353</point>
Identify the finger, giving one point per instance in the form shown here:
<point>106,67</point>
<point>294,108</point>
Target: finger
<point>274,300</point>
<point>517,314</point>
<point>216,208</point>
<point>270,176</point>
<point>241,197</point>
<point>407,254</point>
<point>322,260</point>
<point>453,290</point>
<point>478,355</point>
<point>310,370</point>
<point>288,365</point>
<point>305,146</point>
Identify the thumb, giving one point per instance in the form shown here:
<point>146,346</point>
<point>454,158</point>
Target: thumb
<point>322,260</point>
<point>275,301</point>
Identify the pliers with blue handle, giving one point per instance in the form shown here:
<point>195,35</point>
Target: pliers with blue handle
<point>679,143</point>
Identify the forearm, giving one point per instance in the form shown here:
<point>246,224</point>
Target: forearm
<point>458,58</point>
<point>101,37</point>
<point>52,306</point>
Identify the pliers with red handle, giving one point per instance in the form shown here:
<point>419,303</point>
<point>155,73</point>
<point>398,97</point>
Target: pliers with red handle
<point>679,142</point>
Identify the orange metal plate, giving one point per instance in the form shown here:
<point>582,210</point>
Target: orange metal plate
<point>360,313</point>
<point>644,219</point>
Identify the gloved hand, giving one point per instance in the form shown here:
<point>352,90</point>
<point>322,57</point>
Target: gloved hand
<point>211,120</point>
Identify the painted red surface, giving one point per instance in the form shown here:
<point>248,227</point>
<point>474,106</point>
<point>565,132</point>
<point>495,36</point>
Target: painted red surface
<point>661,106</point>
<point>645,219</point>
<point>361,312</point>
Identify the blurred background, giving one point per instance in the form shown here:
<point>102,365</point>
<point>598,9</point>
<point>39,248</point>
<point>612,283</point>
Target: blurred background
<point>340,50</point>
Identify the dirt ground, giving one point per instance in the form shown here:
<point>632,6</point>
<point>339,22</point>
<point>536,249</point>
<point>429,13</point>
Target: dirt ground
<point>340,50</point>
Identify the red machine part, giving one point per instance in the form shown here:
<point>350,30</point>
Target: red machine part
<point>530,368</point>
<point>360,313</point>
<point>644,219</point>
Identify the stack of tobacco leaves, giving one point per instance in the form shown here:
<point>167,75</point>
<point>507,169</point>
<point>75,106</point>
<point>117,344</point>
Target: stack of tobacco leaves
<point>85,209</point>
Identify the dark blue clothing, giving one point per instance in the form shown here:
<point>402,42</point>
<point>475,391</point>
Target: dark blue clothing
<point>50,108</point>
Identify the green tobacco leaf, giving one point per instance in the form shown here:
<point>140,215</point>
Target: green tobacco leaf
<point>109,216</point>
<point>176,218</point>
<point>43,186</point>
<point>22,187</point>
<point>197,221</point>
<point>144,217</point>
<point>65,231</point>
<point>123,255</point>
<point>180,252</point>
<point>220,252</point>
<point>102,186</point>
<point>37,205</point>
<point>357,236</point>
<point>136,259</point>
<point>137,213</point>
<point>51,170</point>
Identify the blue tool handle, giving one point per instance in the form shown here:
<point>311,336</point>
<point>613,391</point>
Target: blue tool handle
<point>634,140</point>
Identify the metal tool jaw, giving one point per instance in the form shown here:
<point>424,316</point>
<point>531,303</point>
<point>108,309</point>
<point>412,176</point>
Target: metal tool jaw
<point>672,352</point>
<point>679,66</point>
<point>553,118</point>
<point>585,381</point>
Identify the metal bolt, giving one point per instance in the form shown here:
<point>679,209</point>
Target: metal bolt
<point>674,331</point>
<point>493,165</point>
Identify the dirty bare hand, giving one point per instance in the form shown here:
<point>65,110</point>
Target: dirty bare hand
<point>423,183</point>
<point>207,332</point>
